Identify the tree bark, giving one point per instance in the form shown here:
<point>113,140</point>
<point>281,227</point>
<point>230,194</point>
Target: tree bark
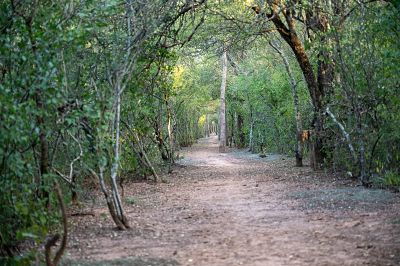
<point>222,110</point>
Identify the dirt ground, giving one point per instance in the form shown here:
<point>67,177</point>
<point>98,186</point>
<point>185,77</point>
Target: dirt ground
<point>238,209</point>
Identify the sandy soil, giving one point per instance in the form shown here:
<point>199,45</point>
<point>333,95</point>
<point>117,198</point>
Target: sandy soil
<point>238,209</point>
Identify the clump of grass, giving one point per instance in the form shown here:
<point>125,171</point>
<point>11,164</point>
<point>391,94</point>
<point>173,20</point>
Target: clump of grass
<point>131,200</point>
<point>103,215</point>
<point>391,179</point>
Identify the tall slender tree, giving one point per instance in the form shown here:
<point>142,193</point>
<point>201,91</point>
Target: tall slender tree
<point>222,107</point>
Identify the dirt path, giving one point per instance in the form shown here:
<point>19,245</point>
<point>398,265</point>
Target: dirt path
<point>238,209</point>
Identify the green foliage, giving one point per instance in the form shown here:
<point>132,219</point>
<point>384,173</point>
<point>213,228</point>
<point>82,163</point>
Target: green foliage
<point>391,179</point>
<point>262,95</point>
<point>366,98</point>
<point>196,87</point>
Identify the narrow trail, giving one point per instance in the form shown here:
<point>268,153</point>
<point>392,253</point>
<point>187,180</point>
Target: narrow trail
<point>238,209</point>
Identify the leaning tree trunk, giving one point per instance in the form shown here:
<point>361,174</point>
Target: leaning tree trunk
<point>222,109</point>
<point>299,125</point>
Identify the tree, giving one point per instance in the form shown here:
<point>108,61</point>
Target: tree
<point>222,109</point>
<point>319,82</point>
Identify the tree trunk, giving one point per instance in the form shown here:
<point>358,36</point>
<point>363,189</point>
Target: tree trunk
<point>170,132</point>
<point>251,133</point>
<point>74,194</point>
<point>316,87</point>
<point>114,200</point>
<point>222,126</point>
<point>241,136</point>
<point>158,132</point>
<point>363,176</point>
<point>251,137</point>
<point>231,140</point>
<point>44,151</point>
<point>299,125</point>
<point>53,240</point>
<point>207,127</point>
<point>43,142</point>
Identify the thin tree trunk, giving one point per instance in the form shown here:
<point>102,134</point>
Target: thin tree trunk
<point>109,200</point>
<point>363,177</point>
<point>241,136</point>
<point>251,133</point>
<point>159,133</point>
<point>207,129</point>
<point>251,145</point>
<point>44,150</point>
<point>170,132</point>
<point>231,140</point>
<point>53,240</point>
<point>114,170</point>
<point>299,124</point>
<point>222,137</point>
